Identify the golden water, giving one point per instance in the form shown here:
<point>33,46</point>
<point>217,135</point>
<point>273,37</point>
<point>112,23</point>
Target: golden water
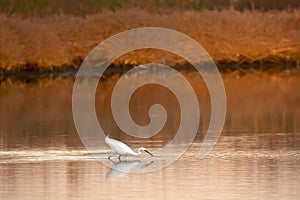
<point>256,157</point>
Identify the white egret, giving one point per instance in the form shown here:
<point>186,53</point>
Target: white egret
<point>122,149</point>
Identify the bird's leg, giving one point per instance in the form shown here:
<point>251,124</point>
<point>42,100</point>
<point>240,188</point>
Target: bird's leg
<point>119,157</point>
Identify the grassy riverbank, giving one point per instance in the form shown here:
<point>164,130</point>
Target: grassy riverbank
<point>230,37</point>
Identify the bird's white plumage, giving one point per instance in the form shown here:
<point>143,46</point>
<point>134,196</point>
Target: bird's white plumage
<point>122,149</point>
<point>118,147</point>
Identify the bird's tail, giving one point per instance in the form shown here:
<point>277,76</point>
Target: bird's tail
<point>107,138</point>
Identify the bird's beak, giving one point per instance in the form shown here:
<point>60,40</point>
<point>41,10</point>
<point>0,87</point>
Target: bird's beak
<point>148,152</point>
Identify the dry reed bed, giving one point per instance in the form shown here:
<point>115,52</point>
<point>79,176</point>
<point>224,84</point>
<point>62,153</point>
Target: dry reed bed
<point>229,36</point>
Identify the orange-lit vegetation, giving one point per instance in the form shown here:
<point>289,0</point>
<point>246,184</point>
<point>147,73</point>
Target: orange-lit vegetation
<point>229,36</point>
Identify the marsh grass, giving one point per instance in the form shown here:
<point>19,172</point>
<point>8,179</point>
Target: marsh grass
<point>39,43</point>
<point>86,7</point>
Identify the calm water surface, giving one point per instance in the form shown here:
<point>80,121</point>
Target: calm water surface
<point>256,157</point>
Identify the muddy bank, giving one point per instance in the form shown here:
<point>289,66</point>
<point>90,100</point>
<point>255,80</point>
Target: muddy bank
<point>35,72</point>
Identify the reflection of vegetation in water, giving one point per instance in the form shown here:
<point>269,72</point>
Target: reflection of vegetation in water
<point>256,103</point>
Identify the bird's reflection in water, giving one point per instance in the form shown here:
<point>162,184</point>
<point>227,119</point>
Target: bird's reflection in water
<point>121,168</point>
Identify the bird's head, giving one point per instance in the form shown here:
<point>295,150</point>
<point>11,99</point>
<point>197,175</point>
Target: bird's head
<point>145,150</point>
